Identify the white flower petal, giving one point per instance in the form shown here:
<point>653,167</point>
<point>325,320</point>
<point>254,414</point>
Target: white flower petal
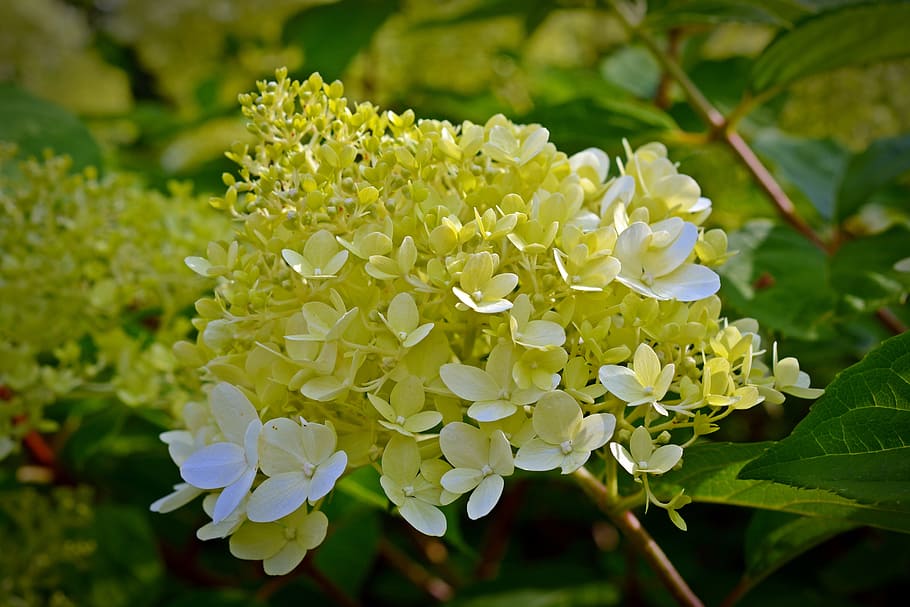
<point>689,282</point>
<point>183,494</point>
<point>233,411</point>
<point>660,262</point>
<point>647,365</point>
<point>281,446</point>
<point>536,455</point>
<point>401,459</point>
<point>417,335</point>
<point>501,459</point>
<point>423,517</point>
<point>464,446</point>
<point>277,497</point>
<point>640,445</point>
<point>423,421</point>
<point>469,383</point>
<point>485,496</point>
<point>232,495</point>
<point>461,480</point>
<point>574,460</point>
<point>319,442</point>
<point>595,431</point>
<point>664,458</point>
<point>556,417</point>
<point>491,410</point>
<point>312,529</point>
<point>623,457</point>
<point>286,559</point>
<point>215,466</point>
<point>257,541</point>
<point>326,475</point>
<point>622,382</point>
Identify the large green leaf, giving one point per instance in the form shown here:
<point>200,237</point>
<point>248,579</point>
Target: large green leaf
<point>600,122</point>
<point>533,13</point>
<point>814,166</point>
<point>881,163</point>
<point>633,69</point>
<point>863,270</point>
<point>347,555</point>
<point>670,13</point>
<point>36,125</point>
<point>852,35</point>
<point>780,279</point>
<point>856,439</point>
<point>775,538</point>
<point>332,34</point>
<point>710,474</point>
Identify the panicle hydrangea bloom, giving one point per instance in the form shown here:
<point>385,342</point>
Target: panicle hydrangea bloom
<point>447,302</point>
<point>92,301</point>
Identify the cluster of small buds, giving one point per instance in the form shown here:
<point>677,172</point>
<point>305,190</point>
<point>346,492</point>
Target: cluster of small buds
<point>447,303</point>
<point>92,301</point>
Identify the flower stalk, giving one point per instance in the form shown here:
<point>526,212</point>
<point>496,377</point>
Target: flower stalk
<point>639,537</point>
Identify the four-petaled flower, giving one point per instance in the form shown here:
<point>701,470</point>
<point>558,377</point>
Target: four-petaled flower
<point>653,261</point>
<point>231,464</point>
<point>480,461</point>
<point>404,413</point>
<point>492,391</point>
<point>408,488</point>
<point>302,464</point>
<point>565,438</point>
<point>282,544</point>
<point>645,382</point>
<point>644,458</point>
<point>480,290</point>
<point>322,257</point>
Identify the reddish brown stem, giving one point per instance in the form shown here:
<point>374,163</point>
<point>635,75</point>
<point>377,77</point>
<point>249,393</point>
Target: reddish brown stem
<point>500,529</point>
<point>414,572</point>
<point>640,539</point>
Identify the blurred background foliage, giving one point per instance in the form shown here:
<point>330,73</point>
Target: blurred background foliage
<point>819,89</point>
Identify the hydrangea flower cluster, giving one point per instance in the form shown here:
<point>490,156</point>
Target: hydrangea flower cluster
<point>447,303</point>
<point>92,300</point>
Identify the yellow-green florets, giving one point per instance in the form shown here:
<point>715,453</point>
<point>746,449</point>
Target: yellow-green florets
<point>446,302</point>
<point>92,301</point>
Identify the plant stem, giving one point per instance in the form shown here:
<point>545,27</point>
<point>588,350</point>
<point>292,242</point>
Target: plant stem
<point>778,197</point>
<point>640,539</point>
<point>414,572</point>
<point>721,129</point>
<point>724,128</point>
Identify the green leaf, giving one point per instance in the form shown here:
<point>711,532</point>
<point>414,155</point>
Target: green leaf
<point>95,434</point>
<point>347,555</point>
<point>601,122</point>
<point>855,441</point>
<point>36,125</point>
<point>869,171</point>
<point>363,485</point>
<point>863,270</point>
<point>633,69</point>
<point>533,11</point>
<point>672,13</point>
<point>331,35</point>
<point>763,282</point>
<point>813,166</point>
<point>126,568</point>
<point>710,474</point>
<point>594,594</point>
<point>852,35</point>
<point>775,538</point>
